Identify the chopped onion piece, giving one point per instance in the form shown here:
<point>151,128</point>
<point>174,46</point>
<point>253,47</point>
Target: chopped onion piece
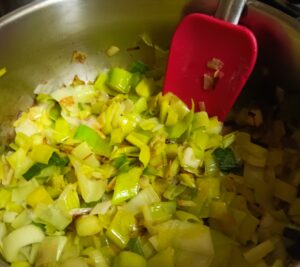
<point>215,64</point>
<point>112,50</point>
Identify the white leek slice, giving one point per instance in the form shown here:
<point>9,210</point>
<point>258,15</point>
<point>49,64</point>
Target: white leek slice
<point>19,238</point>
<point>80,93</point>
<point>145,197</point>
<point>90,189</point>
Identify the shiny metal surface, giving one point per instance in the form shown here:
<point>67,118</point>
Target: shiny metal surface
<point>43,35</point>
<point>37,41</point>
<point>291,7</point>
<point>230,10</point>
<point>7,6</point>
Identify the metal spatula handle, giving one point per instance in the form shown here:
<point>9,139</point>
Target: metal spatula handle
<point>230,10</point>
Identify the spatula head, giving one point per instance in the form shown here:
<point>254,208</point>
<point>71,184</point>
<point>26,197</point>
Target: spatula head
<point>198,39</point>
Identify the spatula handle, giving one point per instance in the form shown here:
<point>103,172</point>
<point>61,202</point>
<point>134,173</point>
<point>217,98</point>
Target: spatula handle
<point>230,10</point>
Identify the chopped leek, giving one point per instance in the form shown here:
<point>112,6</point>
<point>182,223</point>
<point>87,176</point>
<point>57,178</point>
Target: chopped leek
<point>119,80</point>
<point>20,162</point>
<point>20,264</point>
<point>2,71</point>
<point>50,250</point>
<point>37,168</point>
<point>257,253</point>
<point>129,259</point>
<point>87,225</point>
<point>39,195</point>
<point>121,228</point>
<point>21,237</point>
<point>57,160</point>
<point>41,153</point>
<point>91,189</point>
<point>97,143</point>
<point>68,199</point>
<point>100,84</point>
<point>145,197</point>
<point>225,159</point>
<point>163,211</point>
<point>112,50</point>
<point>110,173</point>
<point>145,88</point>
<point>163,258</point>
<point>5,196</point>
<point>23,190</point>
<point>52,215</point>
<point>127,185</point>
<point>135,246</point>
<point>34,170</point>
<point>139,66</point>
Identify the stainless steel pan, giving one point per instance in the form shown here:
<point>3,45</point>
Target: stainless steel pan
<point>37,42</point>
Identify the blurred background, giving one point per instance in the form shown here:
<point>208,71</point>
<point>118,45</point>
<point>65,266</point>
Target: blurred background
<point>291,7</point>
<point>9,5</point>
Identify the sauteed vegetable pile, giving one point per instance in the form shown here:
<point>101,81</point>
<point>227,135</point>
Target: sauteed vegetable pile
<point>113,173</point>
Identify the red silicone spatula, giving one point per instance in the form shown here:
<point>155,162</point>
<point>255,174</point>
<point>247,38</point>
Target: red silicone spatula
<point>201,40</point>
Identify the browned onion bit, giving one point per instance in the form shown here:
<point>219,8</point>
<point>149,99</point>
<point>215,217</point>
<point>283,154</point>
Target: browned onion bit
<point>210,79</point>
